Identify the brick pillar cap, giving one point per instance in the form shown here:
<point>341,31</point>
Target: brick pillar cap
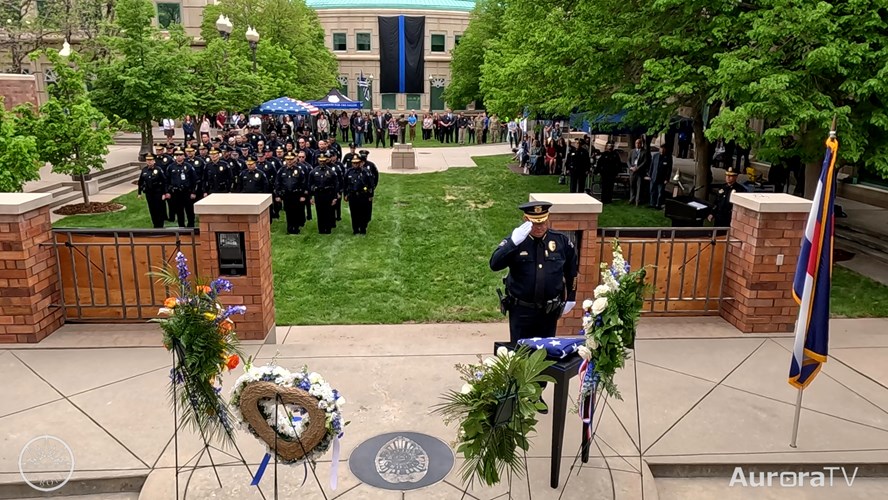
<point>771,202</point>
<point>16,76</point>
<point>233,204</point>
<point>21,203</point>
<point>569,203</point>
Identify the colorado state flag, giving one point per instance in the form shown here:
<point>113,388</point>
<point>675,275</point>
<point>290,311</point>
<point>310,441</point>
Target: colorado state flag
<point>813,277</point>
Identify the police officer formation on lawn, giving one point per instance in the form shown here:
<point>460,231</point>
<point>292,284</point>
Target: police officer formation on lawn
<point>297,174</point>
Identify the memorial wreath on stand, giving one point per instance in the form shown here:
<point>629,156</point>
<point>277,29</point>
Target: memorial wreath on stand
<point>609,323</point>
<point>496,411</point>
<point>199,330</point>
<point>297,415</point>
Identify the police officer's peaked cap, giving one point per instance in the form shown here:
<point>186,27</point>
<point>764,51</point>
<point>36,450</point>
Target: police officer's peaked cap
<point>289,156</point>
<point>214,151</point>
<point>149,156</point>
<point>158,145</point>
<point>364,153</point>
<point>245,146</point>
<point>357,159</point>
<point>170,146</point>
<point>731,170</point>
<point>189,149</point>
<point>279,150</point>
<point>178,151</point>
<point>536,211</point>
<point>217,139</point>
<point>352,145</point>
<point>251,161</point>
<point>202,146</point>
<point>362,156</point>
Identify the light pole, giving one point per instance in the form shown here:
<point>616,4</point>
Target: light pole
<point>224,26</point>
<point>253,38</point>
<point>370,90</point>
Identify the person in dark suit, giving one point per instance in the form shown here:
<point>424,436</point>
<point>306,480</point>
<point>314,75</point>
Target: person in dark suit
<point>608,166</point>
<point>380,125</point>
<point>639,166</point>
<point>578,164</point>
<point>661,170</point>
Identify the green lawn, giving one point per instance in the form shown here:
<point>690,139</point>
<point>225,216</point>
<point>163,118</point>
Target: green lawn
<point>857,296</point>
<point>425,258</point>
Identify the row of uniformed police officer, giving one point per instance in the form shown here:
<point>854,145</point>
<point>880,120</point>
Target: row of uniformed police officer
<point>296,178</point>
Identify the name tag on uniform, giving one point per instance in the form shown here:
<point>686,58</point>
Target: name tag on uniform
<point>182,176</point>
<point>522,254</point>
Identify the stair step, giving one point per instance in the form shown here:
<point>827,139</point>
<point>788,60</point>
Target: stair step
<point>845,224</point>
<point>864,239</point>
<point>852,246</point>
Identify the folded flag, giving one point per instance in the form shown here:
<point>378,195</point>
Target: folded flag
<point>556,347</point>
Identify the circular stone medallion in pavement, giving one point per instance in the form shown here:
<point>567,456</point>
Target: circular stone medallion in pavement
<point>401,461</point>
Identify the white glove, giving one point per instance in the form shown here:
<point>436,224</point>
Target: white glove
<point>567,307</point>
<point>520,233</point>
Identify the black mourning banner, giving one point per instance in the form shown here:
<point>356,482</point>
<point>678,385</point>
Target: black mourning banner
<point>401,54</point>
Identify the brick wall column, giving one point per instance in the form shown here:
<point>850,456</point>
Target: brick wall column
<point>248,214</point>
<point>768,229</point>
<point>29,276</point>
<point>577,212</point>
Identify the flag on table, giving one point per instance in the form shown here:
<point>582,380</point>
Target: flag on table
<point>813,277</point>
<point>556,347</point>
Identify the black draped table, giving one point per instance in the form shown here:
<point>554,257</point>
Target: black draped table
<point>562,371</point>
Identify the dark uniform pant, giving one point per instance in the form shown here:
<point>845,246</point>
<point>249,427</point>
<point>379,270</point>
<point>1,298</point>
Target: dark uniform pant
<point>529,322</point>
<point>359,207</point>
<point>308,208</point>
<point>337,210</point>
<point>182,207</point>
<point>295,213</point>
<point>577,182</point>
<point>607,188</point>
<point>380,137</point>
<point>324,207</point>
<point>157,208</point>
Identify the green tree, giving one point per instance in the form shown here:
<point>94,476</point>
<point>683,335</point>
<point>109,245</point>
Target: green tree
<point>223,77</point>
<point>148,76</point>
<point>468,56</point>
<point>71,133</point>
<point>285,24</point>
<point>808,61</point>
<point>19,159</point>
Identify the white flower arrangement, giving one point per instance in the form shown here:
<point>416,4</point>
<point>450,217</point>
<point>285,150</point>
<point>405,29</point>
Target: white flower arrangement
<point>609,322</point>
<point>292,420</point>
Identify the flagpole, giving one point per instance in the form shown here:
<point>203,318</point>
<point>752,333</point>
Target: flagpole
<point>795,422</point>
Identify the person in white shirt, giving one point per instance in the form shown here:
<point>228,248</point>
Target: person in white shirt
<point>169,127</point>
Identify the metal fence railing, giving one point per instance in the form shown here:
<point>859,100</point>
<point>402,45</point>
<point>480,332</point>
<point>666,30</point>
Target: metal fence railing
<point>103,273</point>
<point>686,266</point>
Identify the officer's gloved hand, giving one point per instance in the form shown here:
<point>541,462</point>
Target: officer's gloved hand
<point>568,306</point>
<point>520,233</point>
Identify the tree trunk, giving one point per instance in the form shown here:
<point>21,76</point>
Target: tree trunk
<point>84,189</point>
<point>147,134</point>
<point>812,177</point>
<point>701,158</point>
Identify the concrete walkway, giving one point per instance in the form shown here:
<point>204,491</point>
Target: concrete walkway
<point>698,399</point>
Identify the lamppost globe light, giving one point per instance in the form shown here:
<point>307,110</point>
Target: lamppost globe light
<point>220,23</point>
<point>252,35</point>
<point>66,49</point>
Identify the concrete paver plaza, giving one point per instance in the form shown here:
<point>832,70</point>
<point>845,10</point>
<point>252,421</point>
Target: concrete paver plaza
<point>698,399</point>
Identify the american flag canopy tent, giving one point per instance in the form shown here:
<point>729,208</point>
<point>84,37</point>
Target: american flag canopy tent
<point>335,100</point>
<point>285,106</point>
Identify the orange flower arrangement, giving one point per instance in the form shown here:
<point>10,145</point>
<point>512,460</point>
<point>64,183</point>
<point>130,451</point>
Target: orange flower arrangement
<point>226,326</point>
<point>204,289</point>
<point>170,302</point>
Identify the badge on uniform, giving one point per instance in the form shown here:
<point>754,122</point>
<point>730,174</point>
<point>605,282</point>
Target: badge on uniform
<point>522,254</point>
<point>257,176</point>
<point>552,246</point>
<point>155,171</point>
<point>221,169</point>
<point>721,191</point>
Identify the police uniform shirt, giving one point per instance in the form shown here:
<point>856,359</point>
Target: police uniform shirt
<point>371,169</point>
<point>267,168</point>
<point>152,180</point>
<point>164,161</point>
<point>323,179</point>
<point>723,205</point>
<point>539,269</point>
<point>290,180</point>
<point>182,178</point>
<point>358,182</point>
<point>252,181</point>
<point>218,177</point>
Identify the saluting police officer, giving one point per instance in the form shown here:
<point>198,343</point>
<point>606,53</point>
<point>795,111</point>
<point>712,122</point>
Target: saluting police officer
<point>324,186</point>
<point>291,188</point>
<point>542,280</point>
<point>152,182</point>
<point>371,169</point>
<point>182,185</point>
<point>358,192</point>
<point>721,214</point>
